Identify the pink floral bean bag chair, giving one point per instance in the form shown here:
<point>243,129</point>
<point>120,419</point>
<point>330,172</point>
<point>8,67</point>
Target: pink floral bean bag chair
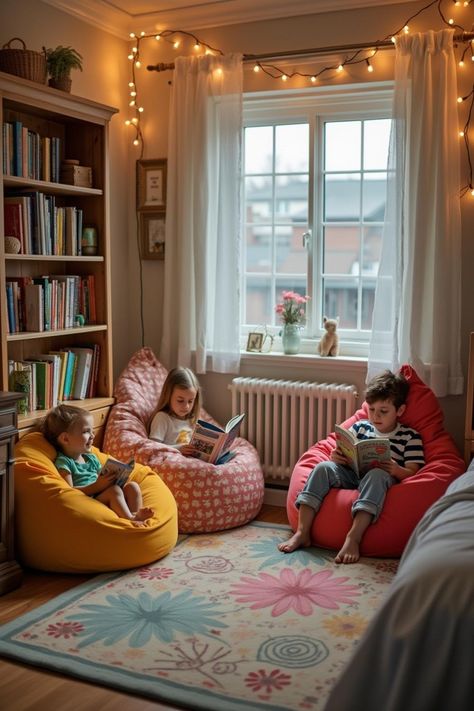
<point>406,502</point>
<point>209,497</point>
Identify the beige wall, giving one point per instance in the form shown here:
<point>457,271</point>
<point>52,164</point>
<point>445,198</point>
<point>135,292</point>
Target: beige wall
<point>105,79</point>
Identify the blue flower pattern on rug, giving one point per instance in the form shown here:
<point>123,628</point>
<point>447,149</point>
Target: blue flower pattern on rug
<point>225,621</point>
<point>145,617</point>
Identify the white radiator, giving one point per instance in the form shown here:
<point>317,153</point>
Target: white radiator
<point>284,418</point>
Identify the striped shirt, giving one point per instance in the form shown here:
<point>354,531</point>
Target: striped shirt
<point>405,443</point>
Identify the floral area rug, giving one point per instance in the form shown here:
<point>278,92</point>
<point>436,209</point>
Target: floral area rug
<point>225,622</point>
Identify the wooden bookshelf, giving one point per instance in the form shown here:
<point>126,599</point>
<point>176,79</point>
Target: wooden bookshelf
<point>82,127</point>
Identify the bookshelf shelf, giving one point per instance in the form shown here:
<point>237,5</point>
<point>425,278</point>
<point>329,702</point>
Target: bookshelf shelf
<point>41,128</point>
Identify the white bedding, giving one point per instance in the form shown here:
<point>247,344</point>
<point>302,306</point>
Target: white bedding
<point>418,652</point>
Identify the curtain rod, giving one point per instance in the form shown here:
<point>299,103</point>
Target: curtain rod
<point>314,51</point>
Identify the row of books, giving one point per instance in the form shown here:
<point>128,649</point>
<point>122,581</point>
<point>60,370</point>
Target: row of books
<point>42,226</point>
<point>49,378</point>
<point>27,154</point>
<point>50,303</point>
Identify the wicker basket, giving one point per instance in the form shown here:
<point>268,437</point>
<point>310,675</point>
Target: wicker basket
<point>23,62</point>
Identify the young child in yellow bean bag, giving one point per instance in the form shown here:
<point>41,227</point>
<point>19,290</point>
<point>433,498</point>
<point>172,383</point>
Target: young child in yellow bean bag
<point>58,528</point>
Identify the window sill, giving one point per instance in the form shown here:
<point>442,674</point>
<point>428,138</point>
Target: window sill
<point>303,361</point>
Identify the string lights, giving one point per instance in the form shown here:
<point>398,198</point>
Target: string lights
<point>361,54</point>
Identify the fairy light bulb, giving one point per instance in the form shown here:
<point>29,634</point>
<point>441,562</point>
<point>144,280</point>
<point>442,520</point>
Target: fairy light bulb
<point>136,142</point>
<point>141,109</point>
<point>197,46</point>
<point>128,122</point>
<point>393,39</point>
<point>256,68</point>
<point>219,71</point>
<point>132,102</point>
<point>157,37</point>
<point>132,35</point>
<point>460,99</point>
<point>472,192</point>
<point>176,44</point>
<point>450,21</point>
<point>461,134</point>
<point>134,50</point>
<point>134,120</point>
<point>406,29</point>
<point>369,66</point>
<point>313,79</point>
<point>284,77</point>
<point>340,68</point>
<point>130,56</point>
<point>461,62</point>
<point>131,83</point>
<point>142,34</point>
<point>138,64</point>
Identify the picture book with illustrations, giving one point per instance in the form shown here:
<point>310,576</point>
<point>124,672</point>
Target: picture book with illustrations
<point>120,469</point>
<point>363,454</point>
<point>212,443</point>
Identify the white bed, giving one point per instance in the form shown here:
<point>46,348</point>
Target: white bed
<point>418,652</point>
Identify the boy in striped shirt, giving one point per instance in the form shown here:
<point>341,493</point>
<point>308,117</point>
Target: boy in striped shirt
<point>386,396</point>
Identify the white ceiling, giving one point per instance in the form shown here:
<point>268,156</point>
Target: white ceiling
<point>120,17</point>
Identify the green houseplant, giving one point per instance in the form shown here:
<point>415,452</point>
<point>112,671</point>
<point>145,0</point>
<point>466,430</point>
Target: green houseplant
<point>59,62</point>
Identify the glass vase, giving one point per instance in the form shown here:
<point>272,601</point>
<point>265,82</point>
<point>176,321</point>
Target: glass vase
<point>291,338</point>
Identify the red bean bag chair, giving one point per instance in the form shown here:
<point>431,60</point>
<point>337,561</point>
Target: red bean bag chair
<point>406,502</point>
<point>209,497</point>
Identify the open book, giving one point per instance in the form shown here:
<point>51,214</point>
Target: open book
<point>212,443</point>
<point>363,454</point>
<point>120,469</point>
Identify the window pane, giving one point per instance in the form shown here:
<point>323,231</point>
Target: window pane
<point>342,145</point>
<point>376,140</point>
<point>258,199</point>
<point>341,250</point>
<point>374,196</point>
<point>368,294</point>
<point>291,256</point>
<point>371,251</point>
<point>291,198</point>
<point>259,302</point>
<point>259,149</point>
<point>340,299</point>
<point>259,248</point>
<point>292,148</point>
<point>342,198</point>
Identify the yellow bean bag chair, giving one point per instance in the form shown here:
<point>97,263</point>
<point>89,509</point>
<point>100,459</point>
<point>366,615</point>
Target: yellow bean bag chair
<point>60,529</point>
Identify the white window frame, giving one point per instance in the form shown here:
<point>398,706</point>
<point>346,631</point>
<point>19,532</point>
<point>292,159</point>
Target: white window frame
<point>314,106</point>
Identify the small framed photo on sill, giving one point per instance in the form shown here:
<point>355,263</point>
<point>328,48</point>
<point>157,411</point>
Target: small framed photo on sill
<point>255,342</point>
<point>152,235</point>
<point>151,184</point>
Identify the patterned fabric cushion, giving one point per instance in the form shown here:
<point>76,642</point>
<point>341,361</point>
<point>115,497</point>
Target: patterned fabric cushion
<point>407,501</point>
<point>209,498</point>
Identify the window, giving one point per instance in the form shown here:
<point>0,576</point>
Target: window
<point>314,179</point>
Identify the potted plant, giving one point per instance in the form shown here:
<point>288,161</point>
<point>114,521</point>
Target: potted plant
<point>59,62</point>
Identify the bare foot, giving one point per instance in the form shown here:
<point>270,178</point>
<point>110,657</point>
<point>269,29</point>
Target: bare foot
<point>138,524</point>
<point>297,540</point>
<point>349,552</point>
<point>142,514</point>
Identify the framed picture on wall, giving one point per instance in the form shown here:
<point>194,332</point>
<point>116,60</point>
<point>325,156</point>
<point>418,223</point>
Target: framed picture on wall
<point>152,235</point>
<point>151,184</point>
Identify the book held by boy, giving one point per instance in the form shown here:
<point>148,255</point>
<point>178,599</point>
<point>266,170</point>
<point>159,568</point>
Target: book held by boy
<point>362,454</point>
<point>121,470</point>
<point>212,443</point>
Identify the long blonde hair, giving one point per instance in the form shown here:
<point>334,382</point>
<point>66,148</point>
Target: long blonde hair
<point>184,379</point>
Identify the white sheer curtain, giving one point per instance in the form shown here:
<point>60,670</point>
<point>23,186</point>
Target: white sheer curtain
<point>417,312</point>
<point>203,215</point>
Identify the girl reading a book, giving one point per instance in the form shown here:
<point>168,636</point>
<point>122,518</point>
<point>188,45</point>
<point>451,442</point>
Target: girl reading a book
<point>70,430</point>
<point>177,410</point>
<point>386,396</point>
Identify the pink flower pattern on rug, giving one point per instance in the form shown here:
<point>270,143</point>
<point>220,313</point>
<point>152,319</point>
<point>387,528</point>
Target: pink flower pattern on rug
<point>295,592</point>
<point>209,498</point>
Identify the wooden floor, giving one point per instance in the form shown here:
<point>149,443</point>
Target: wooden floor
<point>24,688</point>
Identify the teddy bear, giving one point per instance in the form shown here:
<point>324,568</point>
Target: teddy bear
<point>329,343</point>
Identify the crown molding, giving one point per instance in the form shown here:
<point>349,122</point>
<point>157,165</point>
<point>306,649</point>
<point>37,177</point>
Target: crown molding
<point>120,17</point>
